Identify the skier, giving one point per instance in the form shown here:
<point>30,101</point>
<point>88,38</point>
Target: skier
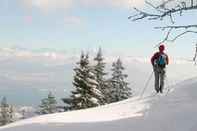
<point>159,61</point>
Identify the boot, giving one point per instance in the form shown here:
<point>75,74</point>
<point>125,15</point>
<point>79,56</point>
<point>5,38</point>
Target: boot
<point>161,90</point>
<point>157,90</point>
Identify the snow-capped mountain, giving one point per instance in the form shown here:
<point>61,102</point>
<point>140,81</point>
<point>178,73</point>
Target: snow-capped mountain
<point>44,55</point>
<point>68,56</point>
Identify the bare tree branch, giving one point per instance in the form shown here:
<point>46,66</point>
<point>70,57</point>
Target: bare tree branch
<point>169,9</point>
<point>177,27</point>
<point>167,36</point>
<point>163,11</point>
<point>195,55</point>
<point>181,34</point>
<point>142,15</point>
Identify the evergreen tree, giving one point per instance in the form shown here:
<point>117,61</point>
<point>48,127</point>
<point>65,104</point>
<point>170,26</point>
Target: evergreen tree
<point>118,87</point>
<point>86,92</point>
<point>6,114</point>
<point>48,105</point>
<point>99,70</point>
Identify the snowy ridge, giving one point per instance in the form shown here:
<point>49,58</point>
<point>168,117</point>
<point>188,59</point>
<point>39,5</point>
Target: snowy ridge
<point>111,112</point>
<point>174,112</point>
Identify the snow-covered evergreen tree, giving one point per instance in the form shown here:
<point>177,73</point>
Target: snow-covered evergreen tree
<point>6,114</point>
<point>99,70</point>
<point>118,87</point>
<point>86,93</point>
<point>48,105</point>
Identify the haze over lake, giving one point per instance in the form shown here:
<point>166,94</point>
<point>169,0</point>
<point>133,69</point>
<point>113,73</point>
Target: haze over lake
<point>27,76</point>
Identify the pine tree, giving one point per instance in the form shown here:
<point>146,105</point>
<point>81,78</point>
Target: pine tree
<point>118,87</point>
<point>86,92</point>
<point>6,115</point>
<point>48,105</point>
<point>99,70</point>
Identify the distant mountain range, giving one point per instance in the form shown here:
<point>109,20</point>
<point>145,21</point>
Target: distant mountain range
<point>31,74</point>
<point>71,56</point>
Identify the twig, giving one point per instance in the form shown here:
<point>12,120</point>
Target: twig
<point>163,12</point>
<point>178,36</point>
<point>177,27</point>
<point>166,39</point>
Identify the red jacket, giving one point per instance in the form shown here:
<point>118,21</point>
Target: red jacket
<point>156,55</point>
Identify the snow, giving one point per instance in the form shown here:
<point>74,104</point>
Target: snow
<point>77,95</point>
<point>96,91</point>
<point>106,113</point>
<point>94,100</point>
<point>172,112</point>
<point>26,109</point>
<point>92,81</point>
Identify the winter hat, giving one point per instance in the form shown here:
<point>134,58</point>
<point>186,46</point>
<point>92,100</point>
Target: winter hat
<point>161,48</point>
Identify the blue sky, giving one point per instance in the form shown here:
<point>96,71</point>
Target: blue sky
<point>73,25</point>
<point>82,24</point>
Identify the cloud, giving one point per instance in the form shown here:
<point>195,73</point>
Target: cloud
<point>28,19</point>
<point>73,20</point>
<point>111,3</point>
<point>137,3</point>
<point>47,5</point>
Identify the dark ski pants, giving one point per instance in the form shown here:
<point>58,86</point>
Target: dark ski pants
<point>159,78</point>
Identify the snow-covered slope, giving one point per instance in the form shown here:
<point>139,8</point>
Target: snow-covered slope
<point>174,112</point>
<point>112,112</point>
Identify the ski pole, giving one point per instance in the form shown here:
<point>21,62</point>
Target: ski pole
<point>168,85</point>
<point>146,85</point>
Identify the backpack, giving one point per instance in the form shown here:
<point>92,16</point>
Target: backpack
<point>161,61</point>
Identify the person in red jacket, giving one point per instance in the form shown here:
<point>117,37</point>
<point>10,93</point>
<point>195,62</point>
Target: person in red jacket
<point>159,61</point>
